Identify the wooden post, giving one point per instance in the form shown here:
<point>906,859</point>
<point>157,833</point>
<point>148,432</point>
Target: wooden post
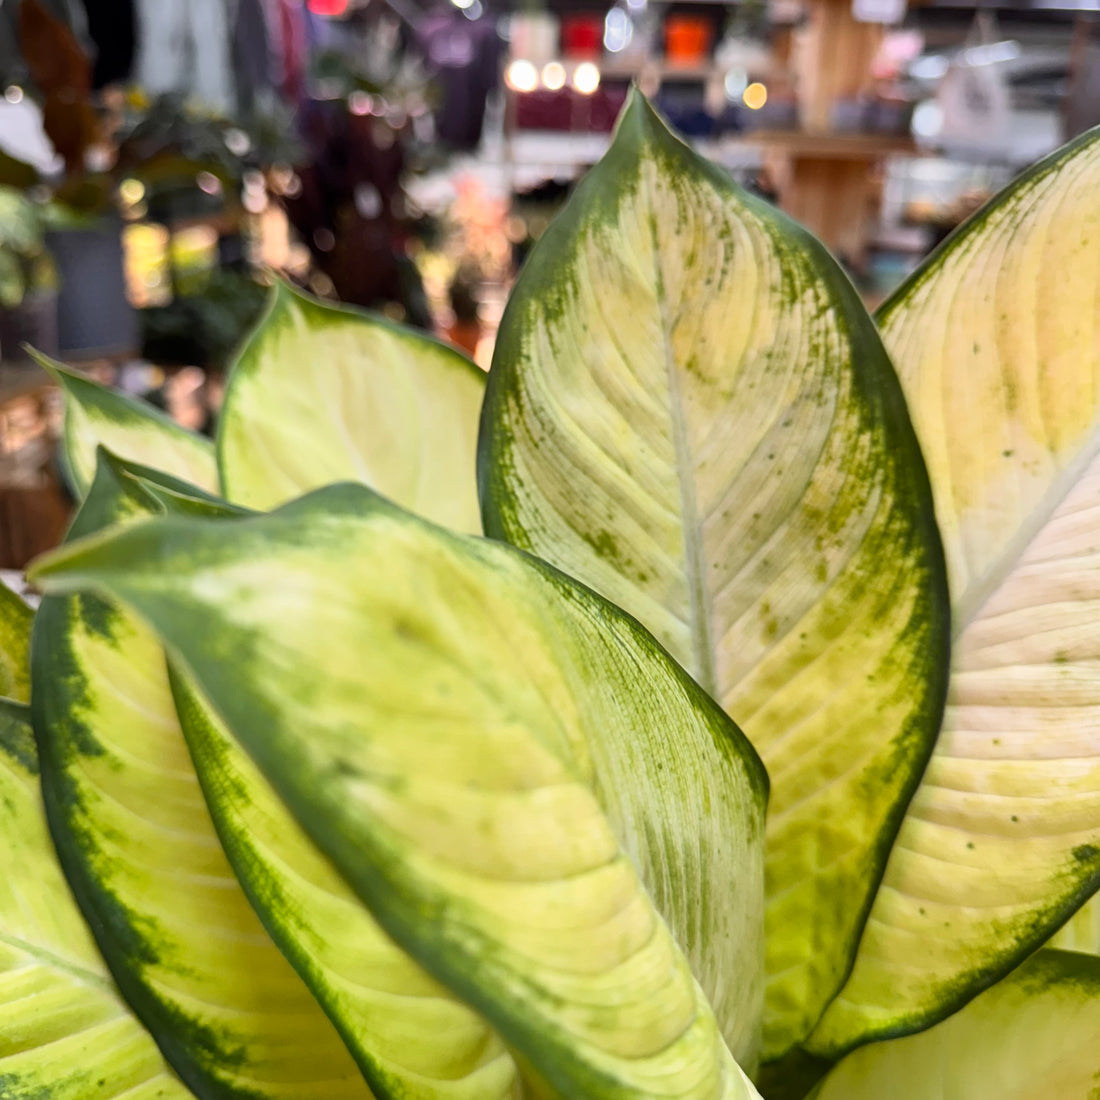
<point>827,179</point>
<point>833,61</point>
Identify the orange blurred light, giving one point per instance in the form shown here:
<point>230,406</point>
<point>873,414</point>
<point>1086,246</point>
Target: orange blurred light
<point>755,96</point>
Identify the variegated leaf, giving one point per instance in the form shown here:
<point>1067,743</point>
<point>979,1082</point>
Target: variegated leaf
<point>529,796</point>
<point>324,393</point>
<point>690,410</point>
<point>997,343</point>
<point>139,849</point>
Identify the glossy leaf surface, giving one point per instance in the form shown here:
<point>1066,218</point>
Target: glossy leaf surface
<point>690,410</point>
<point>531,798</point>
<point>997,342</point>
<point>322,393</point>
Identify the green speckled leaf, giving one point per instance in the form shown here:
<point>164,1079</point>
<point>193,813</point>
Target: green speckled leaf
<point>139,849</point>
<point>15,638</point>
<point>65,1032</point>
<point>411,1037</point>
<point>690,410</point>
<point>1036,1033</point>
<point>97,416</point>
<point>324,393</point>
<point>531,798</point>
<point>997,344</point>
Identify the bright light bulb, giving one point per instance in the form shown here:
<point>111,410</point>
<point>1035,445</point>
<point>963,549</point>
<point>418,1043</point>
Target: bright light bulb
<point>553,75</point>
<point>132,191</point>
<point>618,29</point>
<point>736,82</point>
<point>586,78</point>
<point>521,76</point>
<point>755,96</point>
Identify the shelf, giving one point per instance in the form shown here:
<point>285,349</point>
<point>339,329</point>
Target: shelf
<point>662,70</point>
<point>834,146</point>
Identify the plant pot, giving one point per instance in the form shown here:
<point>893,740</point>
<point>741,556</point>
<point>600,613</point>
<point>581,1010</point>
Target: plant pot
<point>33,322</point>
<point>94,317</point>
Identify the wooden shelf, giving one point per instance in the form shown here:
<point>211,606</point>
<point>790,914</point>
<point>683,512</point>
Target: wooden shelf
<point>834,146</point>
<point>663,70</point>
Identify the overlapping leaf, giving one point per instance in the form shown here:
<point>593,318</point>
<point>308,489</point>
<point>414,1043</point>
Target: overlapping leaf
<point>322,393</point>
<point>1082,931</point>
<point>495,760</point>
<point>96,415</point>
<point>690,410</point>
<point>65,1032</point>
<point>15,637</point>
<point>1033,1034</point>
<point>142,857</point>
<point>411,1037</point>
<point>997,343</point>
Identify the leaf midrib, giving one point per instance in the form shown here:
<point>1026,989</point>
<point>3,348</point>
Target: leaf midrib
<point>970,604</point>
<point>48,958</point>
<point>699,609</point>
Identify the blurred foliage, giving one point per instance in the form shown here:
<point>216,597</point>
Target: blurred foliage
<point>203,328</point>
<point>25,264</point>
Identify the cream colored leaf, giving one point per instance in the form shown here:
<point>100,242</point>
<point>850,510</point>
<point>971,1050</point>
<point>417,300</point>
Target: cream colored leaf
<point>997,343</point>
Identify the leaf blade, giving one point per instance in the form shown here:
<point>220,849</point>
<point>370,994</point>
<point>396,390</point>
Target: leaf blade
<point>1034,1030</point>
<point>82,1042</point>
<point>373,402</point>
<point>16,617</point>
<point>1002,840</point>
<point>538,919</point>
<point>690,410</point>
<point>408,1034</point>
<point>96,415</point>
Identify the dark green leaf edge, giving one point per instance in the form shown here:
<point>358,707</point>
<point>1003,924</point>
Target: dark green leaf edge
<point>113,492</point>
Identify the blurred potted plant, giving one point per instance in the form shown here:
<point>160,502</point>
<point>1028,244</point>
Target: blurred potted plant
<point>28,278</point>
<point>83,230</point>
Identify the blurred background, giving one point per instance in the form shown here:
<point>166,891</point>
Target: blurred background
<point>162,161</point>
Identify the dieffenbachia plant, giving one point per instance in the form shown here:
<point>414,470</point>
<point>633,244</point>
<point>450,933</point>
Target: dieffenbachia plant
<point>357,803</point>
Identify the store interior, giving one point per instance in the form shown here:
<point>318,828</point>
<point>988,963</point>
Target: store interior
<point>162,165</point>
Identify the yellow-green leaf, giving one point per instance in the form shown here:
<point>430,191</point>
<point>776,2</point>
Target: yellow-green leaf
<point>324,393</point>
<point>143,859</point>
<point>65,1032</point>
<point>16,618</point>
<point>690,410</point>
<point>409,1034</point>
<point>997,343</point>
<point>535,802</point>
<point>1033,1034</point>
<point>1082,931</point>
<point>98,416</point>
